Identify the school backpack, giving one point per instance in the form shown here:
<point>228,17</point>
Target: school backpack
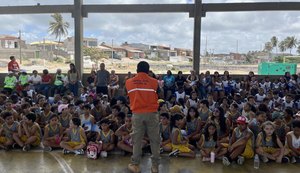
<point>93,150</point>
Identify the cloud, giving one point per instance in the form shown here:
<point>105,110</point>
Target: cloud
<point>223,30</point>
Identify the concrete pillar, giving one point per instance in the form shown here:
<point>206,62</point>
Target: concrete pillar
<point>78,21</point>
<point>197,35</point>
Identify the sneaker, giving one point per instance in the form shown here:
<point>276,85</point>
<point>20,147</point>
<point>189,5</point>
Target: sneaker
<point>293,160</point>
<point>79,152</point>
<point>240,160</point>
<point>285,160</point>
<point>205,159</point>
<point>15,146</point>
<point>264,159</point>
<point>66,151</point>
<point>174,153</point>
<point>48,149</point>
<point>161,150</point>
<point>134,168</point>
<point>26,148</point>
<point>103,154</point>
<point>226,161</point>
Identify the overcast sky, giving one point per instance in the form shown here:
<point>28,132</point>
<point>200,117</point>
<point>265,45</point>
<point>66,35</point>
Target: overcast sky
<point>222,30</point>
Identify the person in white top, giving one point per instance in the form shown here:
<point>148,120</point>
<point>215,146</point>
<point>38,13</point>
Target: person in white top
<point>293,141</point>
<point>35,79</point>
<point>259,97</point>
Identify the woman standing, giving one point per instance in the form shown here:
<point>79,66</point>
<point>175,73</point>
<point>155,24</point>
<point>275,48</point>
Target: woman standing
<point>73,78</point>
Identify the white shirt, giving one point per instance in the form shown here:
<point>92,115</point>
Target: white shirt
<point>35,79</point>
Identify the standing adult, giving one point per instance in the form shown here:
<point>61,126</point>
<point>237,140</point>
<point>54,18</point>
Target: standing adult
<point>102,80</point>
<point>142,91</point>
<point>73,78</point>
<point>13,65</point>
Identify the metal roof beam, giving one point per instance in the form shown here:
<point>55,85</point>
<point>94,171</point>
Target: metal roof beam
<point>261,6</point>
<point>38,9</point>
<point>139,8</point>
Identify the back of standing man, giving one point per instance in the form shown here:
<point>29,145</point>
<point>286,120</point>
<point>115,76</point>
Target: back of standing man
<point>142,91</point>
<point>102,80</point>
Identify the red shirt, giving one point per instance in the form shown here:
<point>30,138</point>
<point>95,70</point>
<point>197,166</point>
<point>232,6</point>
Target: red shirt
<point>13,66</point>
<point>46,78</point>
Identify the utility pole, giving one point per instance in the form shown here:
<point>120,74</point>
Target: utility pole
<point>237,46</point>
<point>112,51</point>
<point>20,47</point>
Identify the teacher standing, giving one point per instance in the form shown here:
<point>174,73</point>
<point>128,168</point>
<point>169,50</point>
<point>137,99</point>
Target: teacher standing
<point>142,91</point>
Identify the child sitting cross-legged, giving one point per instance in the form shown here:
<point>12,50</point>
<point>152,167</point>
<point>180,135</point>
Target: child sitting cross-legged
<point>241,143</point>
<point>106,137</point>
<point>180,144</point>
<point>9,128</point>
<point>29,133</point>
<point>53,133</point>
<point>77,138</point>
<point>293,141</point>
<point>208,143</point>
<point>268,144</point>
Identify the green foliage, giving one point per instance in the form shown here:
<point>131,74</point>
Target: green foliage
<point>58,27</point>
<point>268,47</point>
<point>278,59</point>
<point>95,54</point>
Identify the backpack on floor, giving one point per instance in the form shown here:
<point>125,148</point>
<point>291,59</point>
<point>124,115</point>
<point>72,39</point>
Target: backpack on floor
<point>93,150</point>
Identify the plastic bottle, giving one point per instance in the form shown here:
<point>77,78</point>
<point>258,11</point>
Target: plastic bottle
<point>256,162</point>
<point>212,157</point>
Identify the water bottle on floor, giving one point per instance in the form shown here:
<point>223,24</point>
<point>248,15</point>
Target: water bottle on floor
<point>256,162</point>
<point>212,157</point>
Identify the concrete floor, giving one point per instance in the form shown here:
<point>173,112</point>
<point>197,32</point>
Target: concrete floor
<point>56,162</point>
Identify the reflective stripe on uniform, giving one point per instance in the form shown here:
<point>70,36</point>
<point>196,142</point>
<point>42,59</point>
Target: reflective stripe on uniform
<point>141,89</point>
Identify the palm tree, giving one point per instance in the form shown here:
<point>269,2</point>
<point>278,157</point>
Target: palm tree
<point>268,47</point>
<point>298,50</point>
<point>282,46</point>
<point>290,42</point>
<point>274,42</point>
<point>58,27</point>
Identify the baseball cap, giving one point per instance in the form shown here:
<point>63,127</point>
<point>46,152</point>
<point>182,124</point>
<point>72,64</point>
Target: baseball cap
<point>61,107</point>
<point>242,120</point>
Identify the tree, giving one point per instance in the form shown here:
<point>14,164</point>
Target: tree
<point>298,49</point>
<point>268,47</point>
<point>274,42</point>
<point>282,46</point>
<point>58,27</point>
<point>290,42</point>
<point>95,54</point>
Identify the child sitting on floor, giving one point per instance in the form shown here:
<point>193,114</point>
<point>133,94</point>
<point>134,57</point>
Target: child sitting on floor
<point>241,143</point>
<point>180,144</point>
<point>77,138</point>
<point>53,133</point>
<point>268,145</point>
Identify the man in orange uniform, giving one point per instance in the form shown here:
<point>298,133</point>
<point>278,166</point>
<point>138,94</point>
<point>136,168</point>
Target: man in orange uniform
<point>142,91</point>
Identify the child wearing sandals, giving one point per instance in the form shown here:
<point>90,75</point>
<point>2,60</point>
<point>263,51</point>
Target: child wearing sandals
<point>208,143</point>
<point>268,144</point>
<point>180,144</point>
<point>241,143</point>
<point>77,138</point>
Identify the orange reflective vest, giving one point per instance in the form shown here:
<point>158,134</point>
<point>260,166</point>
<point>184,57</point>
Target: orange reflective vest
<point>142,92</point>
